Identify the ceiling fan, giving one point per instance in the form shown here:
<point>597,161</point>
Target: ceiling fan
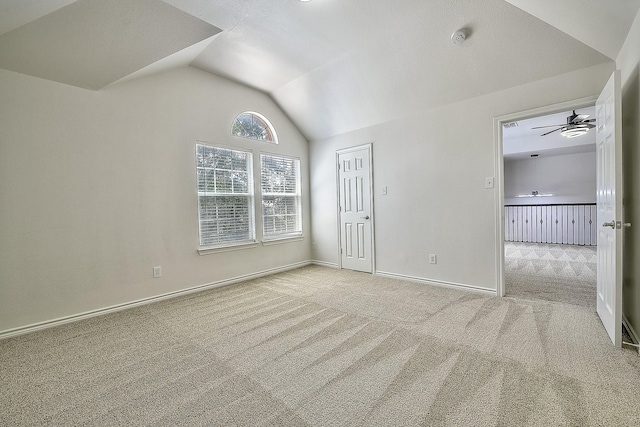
<point>577,125</point>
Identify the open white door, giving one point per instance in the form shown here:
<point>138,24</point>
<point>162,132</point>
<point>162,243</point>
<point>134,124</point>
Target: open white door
<point>609,201</point>
<point>354,194</point>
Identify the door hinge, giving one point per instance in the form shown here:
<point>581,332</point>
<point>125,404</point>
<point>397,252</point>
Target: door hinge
<point>340,251</point>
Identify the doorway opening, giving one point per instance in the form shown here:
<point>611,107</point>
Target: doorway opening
<point>547,244</point>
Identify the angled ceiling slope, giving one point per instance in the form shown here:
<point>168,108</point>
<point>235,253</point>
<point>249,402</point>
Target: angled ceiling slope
<point>15,13</point>
<point>92,43</point>
<point>602,25</point>
<point>332,66</point>
<point>338,66</point>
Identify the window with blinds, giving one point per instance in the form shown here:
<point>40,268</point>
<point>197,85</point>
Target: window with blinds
<point>281,199</point>
<point>225,196</point>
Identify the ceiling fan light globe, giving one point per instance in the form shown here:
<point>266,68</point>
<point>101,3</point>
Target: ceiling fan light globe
<point>574,132</point>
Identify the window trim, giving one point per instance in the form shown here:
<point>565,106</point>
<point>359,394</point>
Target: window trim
<point>281,240</point>
<point>228,248</point>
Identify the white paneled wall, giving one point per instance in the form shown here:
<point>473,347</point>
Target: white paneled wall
<point>566,224</point>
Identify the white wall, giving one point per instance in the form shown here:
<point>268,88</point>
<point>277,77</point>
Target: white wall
<point>97,188</point>
<point>434,164</point>
<point>570,178</point>
<point>628,62</point>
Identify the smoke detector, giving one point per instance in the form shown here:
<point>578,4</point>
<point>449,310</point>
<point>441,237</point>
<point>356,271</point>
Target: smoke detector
<point>458,37</point>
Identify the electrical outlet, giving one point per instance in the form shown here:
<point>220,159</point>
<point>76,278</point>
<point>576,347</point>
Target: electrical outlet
<point>433,259</point>
<point>157,272</point>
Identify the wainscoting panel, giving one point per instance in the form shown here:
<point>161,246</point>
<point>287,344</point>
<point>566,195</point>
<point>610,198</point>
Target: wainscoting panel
<point>565,224</point>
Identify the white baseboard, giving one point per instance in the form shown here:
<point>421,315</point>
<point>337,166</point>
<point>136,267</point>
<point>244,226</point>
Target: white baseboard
<point>324,263</point>
<point>632,332</point>
<point>101,311</point>
<point>437,283</point>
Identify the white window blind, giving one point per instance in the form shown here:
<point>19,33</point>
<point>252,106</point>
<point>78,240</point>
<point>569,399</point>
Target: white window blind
<point>225,196</point>
<point>281,201</point>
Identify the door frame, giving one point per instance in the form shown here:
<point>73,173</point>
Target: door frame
<point>499,170</point>
<point>368,147</point>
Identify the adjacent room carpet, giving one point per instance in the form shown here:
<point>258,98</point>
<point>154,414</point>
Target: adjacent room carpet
<point>561,273</point>
<point>323,347</point>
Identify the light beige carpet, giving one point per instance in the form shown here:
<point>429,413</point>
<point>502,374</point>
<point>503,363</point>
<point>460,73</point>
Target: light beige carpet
<point>561,273</point>
<point>323,347</point>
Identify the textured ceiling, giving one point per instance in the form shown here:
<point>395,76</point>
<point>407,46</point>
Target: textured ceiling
<point>408,63</point>
<point>92,43</point>
<point>332,65</point>
<point>603,25</point>
<point>15,13</point>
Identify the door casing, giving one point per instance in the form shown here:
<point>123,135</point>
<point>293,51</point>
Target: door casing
<point>499,170</point>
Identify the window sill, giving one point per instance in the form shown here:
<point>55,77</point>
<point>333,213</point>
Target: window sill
<point>237,247</point>
<point>280,240</point>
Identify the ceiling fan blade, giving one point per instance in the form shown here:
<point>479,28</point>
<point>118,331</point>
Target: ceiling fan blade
<point>549,126</point>
<point>579,118</point>
<point>555,130</point>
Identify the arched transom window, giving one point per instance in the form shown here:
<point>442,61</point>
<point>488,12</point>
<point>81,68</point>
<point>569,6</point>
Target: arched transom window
<point>254,126</point>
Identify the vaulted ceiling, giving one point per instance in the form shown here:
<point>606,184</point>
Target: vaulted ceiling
<point>333,66</point>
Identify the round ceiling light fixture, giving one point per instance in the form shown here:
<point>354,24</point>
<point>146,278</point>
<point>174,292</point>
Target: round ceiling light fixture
<point>574,131</point>
<point>458,37</point>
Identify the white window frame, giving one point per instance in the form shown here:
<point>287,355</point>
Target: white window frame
<point>261,121</point>
<point>201,170</point>
<point>267,192</point>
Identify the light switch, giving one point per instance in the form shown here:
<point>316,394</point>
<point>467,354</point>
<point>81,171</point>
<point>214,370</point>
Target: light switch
<point>384,191</point>
<point>488,182</point>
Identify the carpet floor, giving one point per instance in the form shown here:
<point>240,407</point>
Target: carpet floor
<point>561,273</point>
<point>323,347</point>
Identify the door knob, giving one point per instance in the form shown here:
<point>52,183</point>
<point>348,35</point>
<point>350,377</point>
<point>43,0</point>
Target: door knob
<point>365,217</point>
<point>611,224</point>
<point>627,225</point>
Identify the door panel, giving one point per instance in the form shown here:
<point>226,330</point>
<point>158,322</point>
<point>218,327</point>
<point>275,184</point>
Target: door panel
<point>609,208</point>
<point>356,240</point>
